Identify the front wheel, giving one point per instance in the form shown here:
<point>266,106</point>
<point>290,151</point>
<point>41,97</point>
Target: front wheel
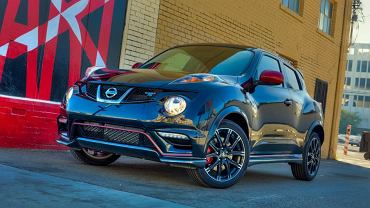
<point>94,157</point>
<point>311,160</point>
<point>227,155</point>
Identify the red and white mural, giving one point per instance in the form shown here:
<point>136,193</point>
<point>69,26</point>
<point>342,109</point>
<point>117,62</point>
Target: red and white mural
<point>45,46</point>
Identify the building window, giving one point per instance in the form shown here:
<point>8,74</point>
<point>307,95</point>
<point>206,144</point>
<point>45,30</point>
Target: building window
<point>368,84</point>
<point>362,83</point>
<point>294,5</point>
<point>321,90</point>
<point>358,67</point>
<point>364,66</point>
<point>348,81</point>
<point>357,80</point>
<point>349,65</point>
<point>368,66</point>
<point>367,102</point>
<point>345,100</point>
<point>326,16</point>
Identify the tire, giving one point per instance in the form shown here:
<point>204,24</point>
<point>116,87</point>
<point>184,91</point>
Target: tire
<point>226,163</point>
<point>307,171</point>
<point>84,156</point>
<point>367,156</point>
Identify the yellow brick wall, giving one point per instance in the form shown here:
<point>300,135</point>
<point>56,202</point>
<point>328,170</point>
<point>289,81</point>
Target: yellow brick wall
<point>140,30</point>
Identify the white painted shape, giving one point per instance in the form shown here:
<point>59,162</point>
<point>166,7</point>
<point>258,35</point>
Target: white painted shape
<point>30,39</point>
<point>4,49</point>
<point>70,15</point>
<point>57,4</point>
<point>99,60</point>
<point>53,27</point>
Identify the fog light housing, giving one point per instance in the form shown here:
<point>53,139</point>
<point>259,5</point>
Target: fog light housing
<point>174,105</point>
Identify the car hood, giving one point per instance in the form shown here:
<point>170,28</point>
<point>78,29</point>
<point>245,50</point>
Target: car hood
<point>142,77</point>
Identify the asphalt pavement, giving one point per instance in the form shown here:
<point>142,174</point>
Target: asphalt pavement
<point>55,179</point>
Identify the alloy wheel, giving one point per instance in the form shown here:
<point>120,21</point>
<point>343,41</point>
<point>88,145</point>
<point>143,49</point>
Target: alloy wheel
<point>314,155</point>
<point>225,155</point>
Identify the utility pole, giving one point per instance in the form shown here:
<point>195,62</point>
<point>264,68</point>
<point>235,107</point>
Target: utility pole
<point>356,9</point>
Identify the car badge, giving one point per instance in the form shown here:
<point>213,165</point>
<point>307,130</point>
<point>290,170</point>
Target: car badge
<point>111,92</point>
<point>150,94</point>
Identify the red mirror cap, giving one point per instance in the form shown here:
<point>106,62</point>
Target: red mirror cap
<point>137,65</point>
<point>270,77</point>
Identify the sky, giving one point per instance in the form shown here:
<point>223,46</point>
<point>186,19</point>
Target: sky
<point>364,27</point>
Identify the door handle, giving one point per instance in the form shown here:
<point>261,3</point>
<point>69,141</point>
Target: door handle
<point>288,102</point>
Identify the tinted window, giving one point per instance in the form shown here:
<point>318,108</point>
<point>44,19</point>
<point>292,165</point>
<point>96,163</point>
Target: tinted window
<point>291,78</point>
<point>268,63</point>
<point>201,59</point>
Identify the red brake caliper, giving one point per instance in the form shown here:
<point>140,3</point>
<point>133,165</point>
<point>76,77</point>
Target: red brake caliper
<point>209,160</point>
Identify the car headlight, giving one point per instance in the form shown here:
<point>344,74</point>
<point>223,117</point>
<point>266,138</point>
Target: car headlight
<point>174,105</point>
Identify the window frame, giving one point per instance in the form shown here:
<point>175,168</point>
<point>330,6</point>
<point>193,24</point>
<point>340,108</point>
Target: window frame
<point>296,77</point>
<point>290,9</point>
<point>324,17</point>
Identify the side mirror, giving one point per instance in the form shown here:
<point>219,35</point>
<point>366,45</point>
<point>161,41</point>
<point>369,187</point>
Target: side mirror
<point>269,77</point>
<point>137,65</point>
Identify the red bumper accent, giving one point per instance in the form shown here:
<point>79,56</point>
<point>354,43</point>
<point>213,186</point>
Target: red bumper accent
<point>28,123</point>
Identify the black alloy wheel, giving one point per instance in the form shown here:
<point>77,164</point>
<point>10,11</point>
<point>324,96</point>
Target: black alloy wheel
<point>311,160</point>
<point>227,155</point>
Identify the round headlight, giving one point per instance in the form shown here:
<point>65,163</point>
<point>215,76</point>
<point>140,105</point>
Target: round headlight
<point>174,105</point>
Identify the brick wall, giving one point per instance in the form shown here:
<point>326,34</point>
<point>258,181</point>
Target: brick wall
<point>139,36</point>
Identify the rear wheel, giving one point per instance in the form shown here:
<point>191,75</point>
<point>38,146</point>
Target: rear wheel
<point>227,155</point>
<point>94,157</point>
<point>311,160</point>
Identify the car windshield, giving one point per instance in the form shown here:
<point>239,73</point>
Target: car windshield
<point>202,59</point>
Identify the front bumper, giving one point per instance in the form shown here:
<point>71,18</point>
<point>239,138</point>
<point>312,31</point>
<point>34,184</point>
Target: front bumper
<point>154,152</point>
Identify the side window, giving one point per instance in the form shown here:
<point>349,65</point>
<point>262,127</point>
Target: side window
<point>291,78</point>
<point>268,63</point>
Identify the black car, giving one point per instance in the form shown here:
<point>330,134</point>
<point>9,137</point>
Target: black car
<point>213,109</point>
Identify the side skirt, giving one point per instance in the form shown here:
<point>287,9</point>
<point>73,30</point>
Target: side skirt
<point>283,158</point>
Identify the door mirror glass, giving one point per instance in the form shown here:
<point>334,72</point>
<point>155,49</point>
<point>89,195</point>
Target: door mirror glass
<point>269,77</point>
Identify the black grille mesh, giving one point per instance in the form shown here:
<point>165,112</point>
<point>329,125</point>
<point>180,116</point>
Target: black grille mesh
<point>142,94</point>
<point>112,135</point>
<point>91,89</point>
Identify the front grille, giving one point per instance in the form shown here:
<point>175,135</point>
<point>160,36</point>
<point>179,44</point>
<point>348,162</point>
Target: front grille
<point>116,135</point>
<point>91,89</point>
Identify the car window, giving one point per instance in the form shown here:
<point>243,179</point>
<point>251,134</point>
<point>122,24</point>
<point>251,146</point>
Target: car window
<point>268,63</point>
<point>202,59</point>
<point>291,78</point>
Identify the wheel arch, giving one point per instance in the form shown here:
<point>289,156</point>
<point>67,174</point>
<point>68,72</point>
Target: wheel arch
<point>232,113</point>
<point>318,128</point>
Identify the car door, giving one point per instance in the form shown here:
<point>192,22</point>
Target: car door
<point>271,120</point>
<point>299,122</point>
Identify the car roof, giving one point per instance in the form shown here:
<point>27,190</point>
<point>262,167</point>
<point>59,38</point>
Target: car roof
<point>240,46</point>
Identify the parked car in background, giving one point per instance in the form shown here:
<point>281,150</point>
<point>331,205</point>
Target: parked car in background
<point>213,109</point>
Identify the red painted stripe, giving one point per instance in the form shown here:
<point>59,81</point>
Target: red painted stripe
<point>47,69</point>
<point>31,81</point>
<point>105,29</point>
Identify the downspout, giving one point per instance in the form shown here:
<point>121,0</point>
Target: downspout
<point>340,79</point>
